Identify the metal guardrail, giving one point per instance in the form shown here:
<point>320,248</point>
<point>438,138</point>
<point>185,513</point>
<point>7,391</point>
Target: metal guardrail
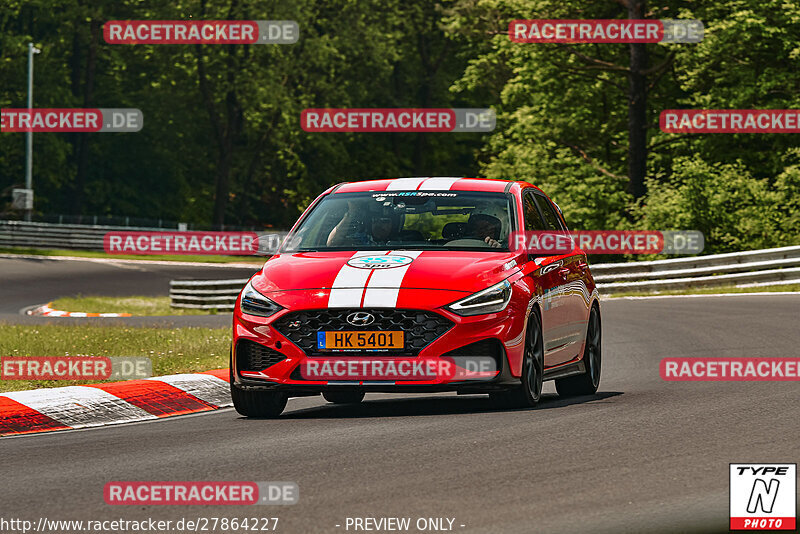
<point>205,294</point>
<point>60,236</point>
<point>69,236</point>
<point>754,267</point>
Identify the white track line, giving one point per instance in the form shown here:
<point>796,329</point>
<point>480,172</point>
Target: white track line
<point>130,262</point>
<point>758,293</point>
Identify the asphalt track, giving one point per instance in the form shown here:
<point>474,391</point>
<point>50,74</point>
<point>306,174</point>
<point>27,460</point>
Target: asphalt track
<point>27,281</point>
<point>643,455</point>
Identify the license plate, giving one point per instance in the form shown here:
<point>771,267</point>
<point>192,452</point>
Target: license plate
<point>348,340</point>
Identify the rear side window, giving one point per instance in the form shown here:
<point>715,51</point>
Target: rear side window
<point>549,212</point>
<point>533,220</point>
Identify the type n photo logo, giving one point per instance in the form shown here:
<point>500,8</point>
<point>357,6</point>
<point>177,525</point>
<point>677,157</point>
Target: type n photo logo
<point>763,496</point>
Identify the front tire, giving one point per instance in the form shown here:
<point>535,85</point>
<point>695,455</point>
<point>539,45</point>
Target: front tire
<point>344,397</point>
<point>258,404</point>
<point>529,391</point>
<point>588,382</point>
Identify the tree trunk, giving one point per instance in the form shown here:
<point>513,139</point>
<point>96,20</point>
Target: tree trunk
<point>82,144</point>
<point>221,192</point>
<point>423,101</point>
<point>637,109</point>
<point>226,127</point>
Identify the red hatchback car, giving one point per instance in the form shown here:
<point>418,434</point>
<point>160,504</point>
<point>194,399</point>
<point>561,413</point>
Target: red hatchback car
<point>412,285</point>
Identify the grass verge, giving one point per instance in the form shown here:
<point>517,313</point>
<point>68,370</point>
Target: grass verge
<point>708,291</point>
<point>137,306</point>
<point>177,350</point>
<point>255,260</point>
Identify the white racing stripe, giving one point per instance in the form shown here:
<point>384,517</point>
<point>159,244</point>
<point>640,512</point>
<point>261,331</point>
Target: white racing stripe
<point>384,286</point>
<point>381,297</point>
<point>346,297</point>
<point>382,290</point>
<point>440,184</point>
<point>349,284</point>
<point>405,184</point>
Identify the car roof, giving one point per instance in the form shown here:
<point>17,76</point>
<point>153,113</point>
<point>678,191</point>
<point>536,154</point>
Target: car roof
<point>433,183</point>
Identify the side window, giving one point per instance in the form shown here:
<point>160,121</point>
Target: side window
<point>533,221</point>
<point>550,216</point>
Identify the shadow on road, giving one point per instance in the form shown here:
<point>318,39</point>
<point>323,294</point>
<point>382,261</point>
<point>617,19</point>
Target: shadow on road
<point>434,406</point>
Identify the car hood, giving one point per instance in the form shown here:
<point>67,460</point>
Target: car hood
<point>446,270</point>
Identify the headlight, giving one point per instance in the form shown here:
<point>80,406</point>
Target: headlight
<point>255,303</point>
<point>489,300</point>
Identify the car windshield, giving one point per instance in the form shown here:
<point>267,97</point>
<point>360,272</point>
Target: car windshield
<point>392,220</point>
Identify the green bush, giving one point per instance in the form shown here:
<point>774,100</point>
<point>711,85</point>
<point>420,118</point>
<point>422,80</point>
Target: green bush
<point>734,210</point>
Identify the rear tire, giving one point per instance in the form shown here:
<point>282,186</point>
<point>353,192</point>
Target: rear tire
<point>529,392</point>
<point>258,404</point>
<point>344,397</point>
<point>588,382</point>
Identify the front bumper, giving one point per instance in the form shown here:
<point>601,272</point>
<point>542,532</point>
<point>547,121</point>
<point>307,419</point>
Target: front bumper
<point>500,333</point>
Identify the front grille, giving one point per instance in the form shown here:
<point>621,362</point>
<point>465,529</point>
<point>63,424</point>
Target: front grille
<point>421,327</point>
<point>252,356</point>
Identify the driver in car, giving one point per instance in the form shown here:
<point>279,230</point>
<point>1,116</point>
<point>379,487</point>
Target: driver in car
<point>352,231</point>
<point>484,227</point>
